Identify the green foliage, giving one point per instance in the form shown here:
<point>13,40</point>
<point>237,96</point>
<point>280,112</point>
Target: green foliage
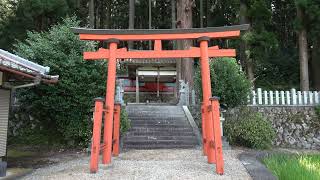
<point>288,166</point>
<point>124,121</point>
<point>227,82</point>
<point>63,108</point>
<point>32,15</point>
<point>317,109</point>
<point>249,129</point>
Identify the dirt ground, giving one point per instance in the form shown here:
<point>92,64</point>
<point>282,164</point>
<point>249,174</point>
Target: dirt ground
<point>146,164</point>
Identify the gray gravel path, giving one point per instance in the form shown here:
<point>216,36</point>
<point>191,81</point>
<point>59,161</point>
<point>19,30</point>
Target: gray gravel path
<point>147,165</point>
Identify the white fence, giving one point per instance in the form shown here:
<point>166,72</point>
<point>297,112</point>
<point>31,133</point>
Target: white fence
<point>284,98</point>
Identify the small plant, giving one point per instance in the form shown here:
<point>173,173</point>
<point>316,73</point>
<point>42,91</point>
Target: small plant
<point>124,121</point>
<point>249,129</point>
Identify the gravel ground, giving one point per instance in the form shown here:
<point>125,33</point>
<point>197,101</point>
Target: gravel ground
<point>147,164</point>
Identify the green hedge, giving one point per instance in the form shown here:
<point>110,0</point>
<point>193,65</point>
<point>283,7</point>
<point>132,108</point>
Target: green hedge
<point>250,129</point>
<point>227,82</point>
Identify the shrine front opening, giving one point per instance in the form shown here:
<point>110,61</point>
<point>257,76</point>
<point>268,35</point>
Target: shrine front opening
<point>212,145</point>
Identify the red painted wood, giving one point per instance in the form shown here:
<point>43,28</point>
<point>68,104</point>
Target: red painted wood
<point>108,122</point>
<point>191,53</point>
<point>95,146</point>
<point>206,89</point>
<point>157,45</point>
<point>116,130</point>
<point>203,125</point>
<point>215,113</point>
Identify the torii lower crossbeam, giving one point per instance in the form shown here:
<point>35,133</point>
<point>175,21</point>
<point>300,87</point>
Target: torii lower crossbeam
<point>194,52</point>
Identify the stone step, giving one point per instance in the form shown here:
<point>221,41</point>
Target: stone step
<point>160,129</point>
<point>160,142</point>
<point>137,111</point>
<point>156,122</point>
<point>163,126</point>
<point>160,133</point>
<point>159,138</point>
<point>151,107</point>
<point>163,118</point>
<point>155,114</point>
<point>156,127</point>
<point>175,111</point>
<point>148,117</point>
<point>158,146</point>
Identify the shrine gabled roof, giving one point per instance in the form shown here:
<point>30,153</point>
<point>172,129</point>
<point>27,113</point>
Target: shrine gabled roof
<point>15,64</point>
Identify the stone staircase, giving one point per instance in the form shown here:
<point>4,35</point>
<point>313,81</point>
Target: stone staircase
<point>158,127</point>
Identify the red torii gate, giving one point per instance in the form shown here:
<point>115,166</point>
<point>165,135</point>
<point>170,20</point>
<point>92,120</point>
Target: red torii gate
<point>212,145</point>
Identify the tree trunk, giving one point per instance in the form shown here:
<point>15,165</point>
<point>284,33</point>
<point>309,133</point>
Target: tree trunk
<point>103,14</point>
<point>131,19</point>
<point>184,20</point>
<point>303,51</point>
<point>91,13</point>
<point>150,20</point>
<point>96,13</point>
<point>246,61</point>
<point>201,13</point>
<point>207,13</point>
<point>108,15</point>
<point>315,65</point>
<point>173,14</point>
<point>174,46</point>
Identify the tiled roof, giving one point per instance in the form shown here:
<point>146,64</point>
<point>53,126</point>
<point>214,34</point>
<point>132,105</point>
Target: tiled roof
<point>14,62</point>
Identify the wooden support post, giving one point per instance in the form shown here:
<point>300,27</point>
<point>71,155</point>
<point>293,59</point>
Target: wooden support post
<point>203,126</point>
<point>158,82</point>
<point>137,86</point>
<point>95,145</point>
<point>116,129</point>
<point>157,45</point>
<point>206,88</point>
<point>111,82</point>
<point>215,113</point>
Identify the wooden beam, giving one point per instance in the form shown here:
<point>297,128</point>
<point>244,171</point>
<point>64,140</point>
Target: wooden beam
<point>191,53</point>
<point>137,87</point>
<point>145,37</point>
<point>138,32</point>
<point>157,45</point>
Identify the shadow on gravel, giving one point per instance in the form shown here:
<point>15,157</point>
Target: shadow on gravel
<point>37,157</point>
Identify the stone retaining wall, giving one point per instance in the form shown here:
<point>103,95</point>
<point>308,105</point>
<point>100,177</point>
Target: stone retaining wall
<point>296,127</point>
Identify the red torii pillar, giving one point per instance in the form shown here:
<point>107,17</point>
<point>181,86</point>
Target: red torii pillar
<point>206,94</point>
<point>116,130</point>
<point>111,83</point>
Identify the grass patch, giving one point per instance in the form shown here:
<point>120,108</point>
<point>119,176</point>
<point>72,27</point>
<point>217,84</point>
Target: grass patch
<point>12,153</point>
<point>294,167</point>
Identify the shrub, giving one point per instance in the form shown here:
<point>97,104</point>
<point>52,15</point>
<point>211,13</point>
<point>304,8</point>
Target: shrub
<point>249,129</point>
<point>62,111</point>
<point>227,82</point>
<point>124,121</point>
